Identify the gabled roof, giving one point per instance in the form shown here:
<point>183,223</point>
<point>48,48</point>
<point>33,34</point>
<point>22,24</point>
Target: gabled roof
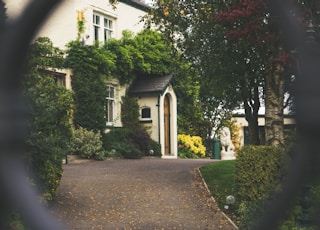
<point>149,85</point>
<point>137,4</point>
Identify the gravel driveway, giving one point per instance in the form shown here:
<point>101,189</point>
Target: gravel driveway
<point>136,194</point>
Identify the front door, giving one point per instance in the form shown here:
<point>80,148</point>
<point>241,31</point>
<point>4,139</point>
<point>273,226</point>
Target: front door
<point>166,110</point>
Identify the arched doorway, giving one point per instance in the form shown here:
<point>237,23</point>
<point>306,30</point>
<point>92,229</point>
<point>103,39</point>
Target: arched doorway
<point>166,109</point>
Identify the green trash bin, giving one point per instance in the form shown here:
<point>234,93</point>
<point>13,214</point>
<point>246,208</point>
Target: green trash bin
<point>216,148</point>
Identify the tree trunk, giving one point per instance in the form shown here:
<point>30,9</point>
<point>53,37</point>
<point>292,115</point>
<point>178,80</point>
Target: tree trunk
<point>251,107</point>
<point>274,100</point>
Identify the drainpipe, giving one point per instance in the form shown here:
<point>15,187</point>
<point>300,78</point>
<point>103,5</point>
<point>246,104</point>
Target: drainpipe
<point>158,105</point>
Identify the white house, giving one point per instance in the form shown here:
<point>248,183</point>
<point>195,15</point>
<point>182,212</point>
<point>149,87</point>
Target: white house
<point>288,121</point>
<point>102,22</point>
<point>158,110</point>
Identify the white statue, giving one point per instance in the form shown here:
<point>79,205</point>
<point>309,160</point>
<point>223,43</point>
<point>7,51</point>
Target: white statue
<point>227,147</point>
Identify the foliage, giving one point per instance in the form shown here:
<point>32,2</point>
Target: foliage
<point>187,87</point>
<point>87,144</point>
<point>266,163</point>
<point>259,170</point>
<point>190,146</point>
<point>51,129</point>
<point>145,53</point>
<point>226,77</point>
<point>131,144</point>
<point>130,113</point>
<point>132,56</point>
<point>91,66</point>
<point>13,220</point>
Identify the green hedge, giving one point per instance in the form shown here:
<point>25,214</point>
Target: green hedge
<point>131,143</point>
<point>259,170</point>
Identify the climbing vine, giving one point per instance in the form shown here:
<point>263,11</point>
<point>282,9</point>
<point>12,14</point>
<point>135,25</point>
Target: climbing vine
<point>92,67</point>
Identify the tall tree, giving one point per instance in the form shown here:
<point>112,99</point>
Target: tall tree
<point>237,42</point>
<point>249,21</point>
<point>223,64</point>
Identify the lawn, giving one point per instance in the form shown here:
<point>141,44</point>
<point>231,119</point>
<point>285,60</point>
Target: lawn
<point>219,177</point>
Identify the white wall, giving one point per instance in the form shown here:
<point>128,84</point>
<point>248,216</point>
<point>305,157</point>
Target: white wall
<point>156,128</point>
<point>61,25</point>
<point>242,122</point>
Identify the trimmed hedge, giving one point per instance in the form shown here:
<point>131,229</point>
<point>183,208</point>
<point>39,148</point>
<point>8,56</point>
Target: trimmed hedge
<point>259,170</point>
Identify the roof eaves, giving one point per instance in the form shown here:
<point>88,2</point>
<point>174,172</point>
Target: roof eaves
<point>137,4</point>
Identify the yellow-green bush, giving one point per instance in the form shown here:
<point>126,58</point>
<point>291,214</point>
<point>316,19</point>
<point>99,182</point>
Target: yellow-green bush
<point>190,146</point>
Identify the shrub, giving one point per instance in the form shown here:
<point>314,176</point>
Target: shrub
<point>50,129</point>
<point>259,170</point>
<point>131,143</point>
<point>45,161</point>
<point>156,147</point>
<point>87,144</point>
<point>190,146</point>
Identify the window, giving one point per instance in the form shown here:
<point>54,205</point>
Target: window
<point>145,113</point>
<point>59,78</point>
<point>96,27</point>
<point>110,101</point>
<point>108,28</point>
<point>103,27</point>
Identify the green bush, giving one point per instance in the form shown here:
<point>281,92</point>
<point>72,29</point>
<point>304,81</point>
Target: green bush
<point>45,159</point>
<point>259,170</point>
<point>50,130</point>
<point>156,147</point>
<point>131,143</point>
<point>87,144</point>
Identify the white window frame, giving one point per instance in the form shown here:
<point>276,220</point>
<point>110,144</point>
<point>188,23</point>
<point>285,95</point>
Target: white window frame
<point>145,118</point>
<point>103,27</point>
<point>110,104</point>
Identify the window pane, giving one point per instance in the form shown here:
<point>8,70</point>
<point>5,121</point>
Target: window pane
<point>107,34</point>
<point>109,110</point>
<point>97,19</point>
<point>146,113</point>
<point>110,91</point>
<point>96,33</point>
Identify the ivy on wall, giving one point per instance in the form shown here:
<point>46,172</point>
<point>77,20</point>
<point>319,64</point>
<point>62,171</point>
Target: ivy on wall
<point>125,59</point>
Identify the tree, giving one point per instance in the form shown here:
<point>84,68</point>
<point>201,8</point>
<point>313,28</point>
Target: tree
<point>51,106</point>
<point>248,21</point>
<point>237,43</point>
<point>226,78</point>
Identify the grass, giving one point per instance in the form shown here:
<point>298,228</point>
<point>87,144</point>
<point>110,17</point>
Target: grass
<point>220,178</point>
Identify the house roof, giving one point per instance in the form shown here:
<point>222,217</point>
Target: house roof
<point>137,4</point>
<point>150,85</point>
